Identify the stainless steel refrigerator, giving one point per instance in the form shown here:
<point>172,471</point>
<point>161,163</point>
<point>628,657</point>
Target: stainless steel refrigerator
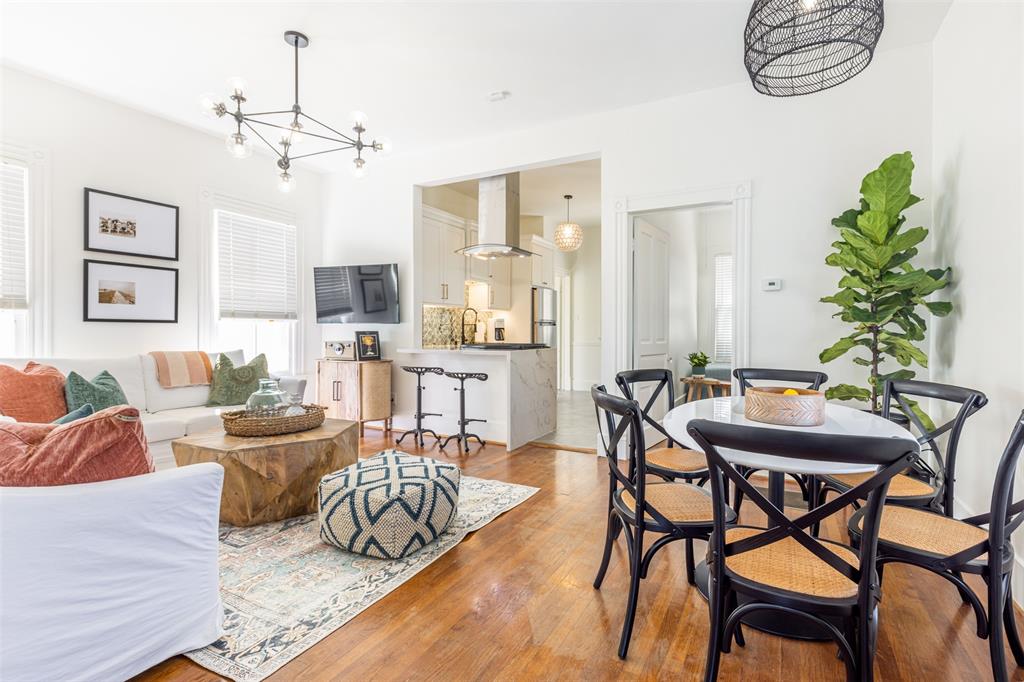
<point>545,317</point>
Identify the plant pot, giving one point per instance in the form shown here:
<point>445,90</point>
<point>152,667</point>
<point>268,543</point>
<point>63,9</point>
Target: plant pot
<point>697,371</point>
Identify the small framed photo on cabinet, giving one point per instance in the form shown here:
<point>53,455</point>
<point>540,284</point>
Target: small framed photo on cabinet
<point>368,346</point>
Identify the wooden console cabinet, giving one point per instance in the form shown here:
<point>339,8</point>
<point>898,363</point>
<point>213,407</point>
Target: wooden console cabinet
<point>359,391</point>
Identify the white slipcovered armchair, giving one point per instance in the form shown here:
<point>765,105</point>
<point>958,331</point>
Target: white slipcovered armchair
<point>101,581</point>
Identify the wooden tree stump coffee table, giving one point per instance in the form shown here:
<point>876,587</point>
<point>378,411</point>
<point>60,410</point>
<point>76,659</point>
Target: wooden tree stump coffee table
<point>274,477</point>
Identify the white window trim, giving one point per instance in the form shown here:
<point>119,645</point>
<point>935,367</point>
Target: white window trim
<point>211,200</point>
<point>40,306</point>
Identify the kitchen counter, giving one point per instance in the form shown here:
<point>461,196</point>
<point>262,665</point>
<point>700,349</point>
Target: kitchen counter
<point>517,400</point>
<point>466,351</point>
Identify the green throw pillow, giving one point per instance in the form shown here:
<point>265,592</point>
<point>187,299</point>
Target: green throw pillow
<point>102,392</point>
<point>232,385</point>
<point>74,415</point>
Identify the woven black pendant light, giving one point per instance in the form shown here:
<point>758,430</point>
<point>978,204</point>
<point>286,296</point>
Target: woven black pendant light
<point>796,47</point>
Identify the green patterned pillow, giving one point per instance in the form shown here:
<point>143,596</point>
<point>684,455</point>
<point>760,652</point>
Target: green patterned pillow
<point>102,392</point>
<point>232,385</point>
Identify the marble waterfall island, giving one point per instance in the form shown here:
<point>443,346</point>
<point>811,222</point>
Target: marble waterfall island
<point>517,400</point>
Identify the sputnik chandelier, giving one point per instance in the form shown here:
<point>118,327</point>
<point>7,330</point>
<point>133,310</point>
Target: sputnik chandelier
<point>300,127</point>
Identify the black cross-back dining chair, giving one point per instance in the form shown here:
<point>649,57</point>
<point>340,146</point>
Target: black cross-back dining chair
<point>813,380</point>
<point>949,547</point>
<point>784,568</point>
<point>672,511</point>
<point>670,463</point>
<point>926,484</point>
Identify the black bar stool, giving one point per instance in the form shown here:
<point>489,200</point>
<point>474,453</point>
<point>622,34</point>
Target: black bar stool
<point>462,438</point>
<point>420,414</point>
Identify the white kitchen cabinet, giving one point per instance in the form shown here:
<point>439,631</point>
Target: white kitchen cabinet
<point>542,261</point>
<point>454,265</point>
<point>444,270</point>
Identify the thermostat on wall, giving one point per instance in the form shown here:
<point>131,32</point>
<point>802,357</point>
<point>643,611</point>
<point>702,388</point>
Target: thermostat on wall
<point>771,284</point>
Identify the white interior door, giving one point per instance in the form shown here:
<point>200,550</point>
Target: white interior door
<point>650,310</point>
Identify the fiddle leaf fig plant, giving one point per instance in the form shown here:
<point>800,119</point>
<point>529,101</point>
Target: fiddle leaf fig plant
<point>882,295</point>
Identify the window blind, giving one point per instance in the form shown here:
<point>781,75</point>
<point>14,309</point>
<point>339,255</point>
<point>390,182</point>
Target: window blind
<point>13,236</point>
<point>256,268</point>
<point>723,307</point>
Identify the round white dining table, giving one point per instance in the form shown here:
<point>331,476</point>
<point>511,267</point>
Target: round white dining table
<point>839,420</point>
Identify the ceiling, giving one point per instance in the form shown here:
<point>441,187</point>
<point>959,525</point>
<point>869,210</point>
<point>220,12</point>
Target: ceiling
<point>541,191</point>
<point>422,71</point>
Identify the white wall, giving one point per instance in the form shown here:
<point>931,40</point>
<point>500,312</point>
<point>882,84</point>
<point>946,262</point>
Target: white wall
<point>805,157</point>
<point>682,227</point>
<point>586,309</point>
<point>978,227</point>
<point>96,143</point>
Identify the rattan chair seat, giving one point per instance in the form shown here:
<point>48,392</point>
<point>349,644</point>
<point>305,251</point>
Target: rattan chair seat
<point>677,459</point>
<point>927,531</point>
<point>788,565</point>
<point>677,502</point>
<point>900,486</point>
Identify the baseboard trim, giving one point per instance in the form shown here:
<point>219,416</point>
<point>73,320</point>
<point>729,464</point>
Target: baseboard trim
<point>569,448</point>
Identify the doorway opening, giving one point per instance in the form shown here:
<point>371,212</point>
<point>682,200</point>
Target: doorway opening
<point>685,277</point>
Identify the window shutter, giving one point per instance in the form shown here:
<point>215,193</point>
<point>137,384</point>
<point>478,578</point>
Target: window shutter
<point>256,263</point>
<point>13,236</point>
<point>723,307</point>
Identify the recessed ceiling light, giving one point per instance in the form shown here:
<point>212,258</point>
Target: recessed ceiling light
<point>498,95</point>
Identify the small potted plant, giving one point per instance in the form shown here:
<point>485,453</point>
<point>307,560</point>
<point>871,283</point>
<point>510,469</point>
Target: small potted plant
<point>698,362</point>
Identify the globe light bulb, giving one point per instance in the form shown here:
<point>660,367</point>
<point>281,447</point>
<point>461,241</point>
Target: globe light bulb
<point>383,145</point>
<point>238,145</point>
<point>296,134</point>
<point>808,5</point>
<point>211,106</point>
<point>236,85</point>
<point>359,168</point>
<point>358,118</point>
<point>287,182</point>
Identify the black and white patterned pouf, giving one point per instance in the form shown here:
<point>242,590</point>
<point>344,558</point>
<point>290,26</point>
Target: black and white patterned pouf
<point>388,506</point>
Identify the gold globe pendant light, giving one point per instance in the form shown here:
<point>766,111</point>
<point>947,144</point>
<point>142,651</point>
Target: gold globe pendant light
<point>568,235</point>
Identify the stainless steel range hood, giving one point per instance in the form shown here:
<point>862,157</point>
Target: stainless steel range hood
<point>498,217</point>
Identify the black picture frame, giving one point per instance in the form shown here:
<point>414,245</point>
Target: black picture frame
<point>368,350</point>
<point>375,299</point>
<point>87,233</point>
<point>87,263</point>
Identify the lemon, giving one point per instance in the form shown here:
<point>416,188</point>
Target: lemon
<point>790,391</point>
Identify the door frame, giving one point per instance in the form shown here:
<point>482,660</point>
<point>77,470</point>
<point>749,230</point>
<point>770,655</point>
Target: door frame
<point>619,353</point>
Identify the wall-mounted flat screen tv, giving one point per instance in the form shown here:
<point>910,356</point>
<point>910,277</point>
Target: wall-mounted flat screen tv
<point>356,293</point>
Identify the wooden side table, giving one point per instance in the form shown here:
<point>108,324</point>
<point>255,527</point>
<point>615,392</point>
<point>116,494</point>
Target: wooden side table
<point>358,390</point>
<point>697,385</point>
<point>273,477</point>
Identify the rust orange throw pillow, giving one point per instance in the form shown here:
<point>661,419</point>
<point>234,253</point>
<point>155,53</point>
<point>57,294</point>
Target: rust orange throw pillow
<point>34,395</point>
<point>106,445</point>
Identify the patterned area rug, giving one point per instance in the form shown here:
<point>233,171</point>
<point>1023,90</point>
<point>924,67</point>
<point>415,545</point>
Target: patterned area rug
<point>284,590</point>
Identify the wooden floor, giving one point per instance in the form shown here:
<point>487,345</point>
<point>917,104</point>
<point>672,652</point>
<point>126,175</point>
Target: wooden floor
<point>514,601</point>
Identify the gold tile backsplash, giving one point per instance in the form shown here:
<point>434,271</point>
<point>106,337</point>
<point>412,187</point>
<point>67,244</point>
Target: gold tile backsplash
<point>441,325</point>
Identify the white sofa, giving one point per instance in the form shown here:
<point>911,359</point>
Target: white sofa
<point>101,581</point>
<point>167,413</point>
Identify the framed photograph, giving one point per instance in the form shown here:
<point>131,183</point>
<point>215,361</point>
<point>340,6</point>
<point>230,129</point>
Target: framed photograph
<point>119,292</point>
<point>115,223</point>
<point>368,346</point>
<point>374,298</point>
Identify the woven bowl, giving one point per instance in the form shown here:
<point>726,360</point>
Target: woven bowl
<point>767,404</point>
<point>238,423</point>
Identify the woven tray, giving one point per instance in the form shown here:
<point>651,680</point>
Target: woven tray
<point>238,424</point>
<point>767,404</point>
